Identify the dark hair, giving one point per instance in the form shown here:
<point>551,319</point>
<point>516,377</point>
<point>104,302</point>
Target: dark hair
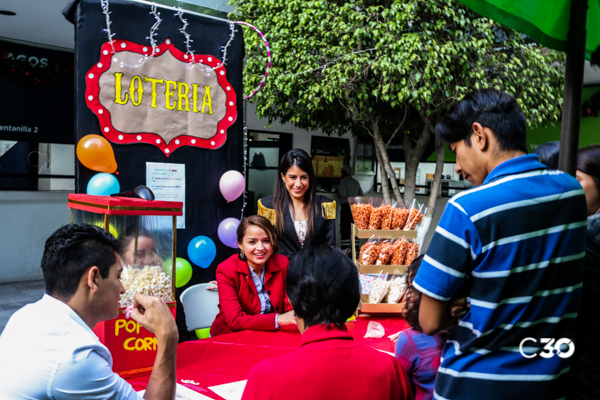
<point>322,285</point>
<point>281,198</point>
<point>588,162</point>
<point>413,296</point>
<point>70,251</point>
<point>130,233</point>
<point>493,109</point>
<point>263,224</point>
<point>548,154</point>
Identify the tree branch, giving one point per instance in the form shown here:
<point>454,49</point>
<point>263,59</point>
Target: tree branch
<point>398,128</point>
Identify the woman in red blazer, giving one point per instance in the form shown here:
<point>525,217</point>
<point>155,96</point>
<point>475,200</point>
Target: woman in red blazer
<point>252,284</point>
<point>323,287</point>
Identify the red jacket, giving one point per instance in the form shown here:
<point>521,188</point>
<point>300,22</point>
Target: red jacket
<point>329,365</point>
<point>239,304</point>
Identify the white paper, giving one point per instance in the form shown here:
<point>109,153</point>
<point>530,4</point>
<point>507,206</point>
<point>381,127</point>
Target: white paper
<point>386,352</point>
<point>167,181</point>
<point>184,393</point>
<point>230,391</point>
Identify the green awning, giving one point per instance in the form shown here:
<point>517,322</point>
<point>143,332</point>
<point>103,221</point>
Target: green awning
<point>546,21</point>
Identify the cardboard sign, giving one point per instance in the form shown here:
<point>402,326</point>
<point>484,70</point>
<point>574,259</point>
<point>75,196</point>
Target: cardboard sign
<point>165,100</point>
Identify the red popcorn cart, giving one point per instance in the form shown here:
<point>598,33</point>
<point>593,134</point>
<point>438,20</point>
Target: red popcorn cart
<point>148,232</point>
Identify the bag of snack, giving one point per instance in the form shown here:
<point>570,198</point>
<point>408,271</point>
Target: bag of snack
<point>376,213</point>
<point>399,250</point>
<point>397,288</point>
<point>361,210</point>
<point>399,215</point>
<point>379,289</point>
<point>366,281</point>
<point>412,253</point>
<point>385,253</point>
<point>386,216</point>
<point>374,330</point>
<point>369,252</point>
<point>415,216</point>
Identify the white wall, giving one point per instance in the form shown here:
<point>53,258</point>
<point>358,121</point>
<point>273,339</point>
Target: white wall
<point>62,162</point>
<point>26,221</point>
<point>301,140</point>
<point>424,169</point>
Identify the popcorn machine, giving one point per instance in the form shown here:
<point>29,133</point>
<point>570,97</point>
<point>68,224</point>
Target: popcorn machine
<point>147,230</point>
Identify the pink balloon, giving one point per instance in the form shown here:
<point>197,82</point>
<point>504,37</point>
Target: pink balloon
<point>232,185</point>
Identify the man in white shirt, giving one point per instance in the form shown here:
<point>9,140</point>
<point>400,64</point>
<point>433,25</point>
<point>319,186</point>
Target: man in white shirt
<point>349,187</point>
<point>48,349</point>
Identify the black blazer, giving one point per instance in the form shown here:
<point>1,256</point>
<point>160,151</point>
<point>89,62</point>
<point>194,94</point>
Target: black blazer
<point>323,232</point>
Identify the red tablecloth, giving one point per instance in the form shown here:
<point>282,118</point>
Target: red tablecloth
<point>229,358</point>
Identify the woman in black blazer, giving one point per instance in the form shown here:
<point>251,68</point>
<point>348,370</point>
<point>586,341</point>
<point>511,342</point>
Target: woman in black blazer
<point>300,216</point>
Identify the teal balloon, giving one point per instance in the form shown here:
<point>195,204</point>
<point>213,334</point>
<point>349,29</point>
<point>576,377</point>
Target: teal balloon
<point>202,251</point>
<point>103,184</point>
<point>183,272</point>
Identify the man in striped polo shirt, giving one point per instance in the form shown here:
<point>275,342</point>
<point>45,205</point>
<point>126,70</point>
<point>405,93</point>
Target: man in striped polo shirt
<point>515,243</point>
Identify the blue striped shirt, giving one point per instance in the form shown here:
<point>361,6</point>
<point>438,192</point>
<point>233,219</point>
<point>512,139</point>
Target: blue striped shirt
<point>515,244</point>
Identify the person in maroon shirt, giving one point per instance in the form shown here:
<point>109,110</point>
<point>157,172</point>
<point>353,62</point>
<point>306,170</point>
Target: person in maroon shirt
<point>323,287</point>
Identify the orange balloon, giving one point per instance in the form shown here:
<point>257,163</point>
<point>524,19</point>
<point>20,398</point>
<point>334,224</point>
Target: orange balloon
<point>96,153</point>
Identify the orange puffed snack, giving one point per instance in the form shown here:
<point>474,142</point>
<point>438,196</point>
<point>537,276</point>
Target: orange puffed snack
<point>361,214</point>
<point>413,252</point>
<point>385,253</point>
<point>369,253</point>
<point>399,250</point>
<point>386,217</point>
<point>399,216</point>
<point>413,219</point>
<point>375,218</point>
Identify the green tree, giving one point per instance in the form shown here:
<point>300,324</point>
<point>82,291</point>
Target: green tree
<point>363,66</point>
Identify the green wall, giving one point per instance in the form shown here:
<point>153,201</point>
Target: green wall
<point>589,131</point>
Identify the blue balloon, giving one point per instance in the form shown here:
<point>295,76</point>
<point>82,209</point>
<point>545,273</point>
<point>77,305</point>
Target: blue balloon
<point>202,251</point>
<point>103,184</point>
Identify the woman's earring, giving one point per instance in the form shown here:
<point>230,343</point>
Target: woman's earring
<point>242,256</point>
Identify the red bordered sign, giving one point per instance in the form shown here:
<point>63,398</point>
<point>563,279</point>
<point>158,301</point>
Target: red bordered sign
<point>165,100</point>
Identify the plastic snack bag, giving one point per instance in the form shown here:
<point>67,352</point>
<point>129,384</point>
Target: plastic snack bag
<point>386,217</point>
<point>376,214</point>
<point>128,311</point>
<point>397,288</point>
<point>379,289</point>
<point>385,253</point>
<point>412,253</point>
<point>414,217</point>
<point>374,330</point>
<point>361,210</point>
<point>366,281</point>
<point>369,252</point>
<point>399,215</point>
<point>399,250</point>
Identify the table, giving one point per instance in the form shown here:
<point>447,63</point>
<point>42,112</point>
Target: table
<point>229,358</point>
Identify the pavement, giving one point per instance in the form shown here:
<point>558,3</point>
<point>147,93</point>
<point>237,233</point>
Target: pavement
<point>16,295</point>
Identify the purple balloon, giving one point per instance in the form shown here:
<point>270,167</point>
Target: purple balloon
<point>228,232</point>
<point>232,185</point>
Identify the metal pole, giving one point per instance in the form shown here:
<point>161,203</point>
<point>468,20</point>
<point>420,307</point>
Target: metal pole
<point>571,115</point>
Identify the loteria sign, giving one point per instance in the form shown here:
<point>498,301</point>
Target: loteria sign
<point>170,99</point>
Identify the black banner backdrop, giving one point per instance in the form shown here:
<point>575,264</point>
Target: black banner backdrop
<point>205,207</point>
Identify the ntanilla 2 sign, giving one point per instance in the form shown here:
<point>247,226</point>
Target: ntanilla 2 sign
<point>169,99</point>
